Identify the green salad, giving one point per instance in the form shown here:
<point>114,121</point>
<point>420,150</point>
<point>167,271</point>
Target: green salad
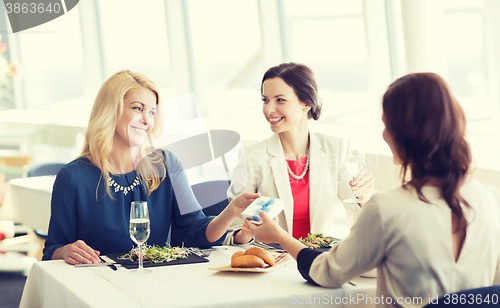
<point>156,254</point>
<point>317,240</point>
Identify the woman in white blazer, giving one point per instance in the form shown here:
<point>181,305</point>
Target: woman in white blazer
<point>304,169</point>
<point>435,235</point>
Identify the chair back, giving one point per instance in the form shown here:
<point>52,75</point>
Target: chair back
<point>45,169</point>
<point>212,196</point>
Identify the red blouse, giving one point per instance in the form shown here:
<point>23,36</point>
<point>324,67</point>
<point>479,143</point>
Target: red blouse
<point>300,192</point>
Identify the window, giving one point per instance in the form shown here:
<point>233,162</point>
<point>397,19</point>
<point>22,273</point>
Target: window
<point>468,75</point>
<point>135,38</point>
<point>329,37</point>
<point>52,59</point>
<point>225,36</point>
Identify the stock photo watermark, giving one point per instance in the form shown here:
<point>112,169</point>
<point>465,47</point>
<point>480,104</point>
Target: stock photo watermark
<point>27,14</point>
<point>363,299</point>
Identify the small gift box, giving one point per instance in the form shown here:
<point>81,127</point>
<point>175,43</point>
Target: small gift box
<point>272,206</point>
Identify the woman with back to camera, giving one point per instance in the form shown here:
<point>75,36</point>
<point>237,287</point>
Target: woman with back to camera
<point>92,194</point>
<point>435,235</point>
<point>304,169</point>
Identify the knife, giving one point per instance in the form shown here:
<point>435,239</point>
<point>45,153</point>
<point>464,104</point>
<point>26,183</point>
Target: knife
<point>112,266</point>
<point>95,264</point>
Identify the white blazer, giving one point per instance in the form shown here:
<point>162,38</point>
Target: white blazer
<point>262,168</point>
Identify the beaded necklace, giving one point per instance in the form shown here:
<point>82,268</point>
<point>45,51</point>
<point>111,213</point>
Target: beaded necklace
<point>125,190</point>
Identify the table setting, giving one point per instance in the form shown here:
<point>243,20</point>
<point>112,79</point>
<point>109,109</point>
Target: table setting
<point>154,276</point>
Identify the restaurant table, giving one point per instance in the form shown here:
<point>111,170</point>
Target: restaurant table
<point>57,284</point>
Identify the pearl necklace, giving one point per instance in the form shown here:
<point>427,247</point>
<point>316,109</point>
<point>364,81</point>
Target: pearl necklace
<point>118,187</point>
<point>299,177</point>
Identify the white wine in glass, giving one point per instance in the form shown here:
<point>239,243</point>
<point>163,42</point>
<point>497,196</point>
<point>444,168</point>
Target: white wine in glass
<point>139,225</point>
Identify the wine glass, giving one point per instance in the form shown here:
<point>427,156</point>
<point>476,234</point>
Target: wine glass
<point>355,162</point>
<point>139,225</point>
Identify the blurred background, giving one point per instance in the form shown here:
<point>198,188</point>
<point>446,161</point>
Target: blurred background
<point>218,50</point>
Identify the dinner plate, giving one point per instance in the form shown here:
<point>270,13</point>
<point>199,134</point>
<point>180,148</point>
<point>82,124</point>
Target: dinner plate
<point>282,259</point>
<point>191,258</point>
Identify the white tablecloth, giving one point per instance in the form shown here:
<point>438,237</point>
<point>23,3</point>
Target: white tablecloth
<point>57,284</point>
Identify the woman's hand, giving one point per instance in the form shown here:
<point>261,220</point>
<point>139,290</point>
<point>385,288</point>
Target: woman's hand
<point>270,232</point>
<point>77,253</point>
<point>241,202</point>
<point>362,185</point>
<point>243,236</point>
<point>218,226</point>
<point>267,232</point>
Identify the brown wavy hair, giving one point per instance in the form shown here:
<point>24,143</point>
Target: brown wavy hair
<point>303,82</point>
<point>428,127</point>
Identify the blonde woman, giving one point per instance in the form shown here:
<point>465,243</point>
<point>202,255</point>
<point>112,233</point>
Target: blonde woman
<point>304,169</point>
<point>92,194</point>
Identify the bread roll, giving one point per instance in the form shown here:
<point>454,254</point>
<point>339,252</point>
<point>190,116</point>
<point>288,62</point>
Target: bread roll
<point>237,254</point>
<point>261,253</point>
<point>248,261</point>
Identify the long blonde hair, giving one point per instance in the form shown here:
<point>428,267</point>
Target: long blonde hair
<point>107,110</point>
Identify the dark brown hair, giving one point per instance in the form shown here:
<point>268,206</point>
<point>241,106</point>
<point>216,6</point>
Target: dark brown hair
<point>428,127</point>
<point>301,79</point>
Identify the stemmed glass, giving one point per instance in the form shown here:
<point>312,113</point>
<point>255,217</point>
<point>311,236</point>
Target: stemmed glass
<point>355,162</point>
<point>139,226</point>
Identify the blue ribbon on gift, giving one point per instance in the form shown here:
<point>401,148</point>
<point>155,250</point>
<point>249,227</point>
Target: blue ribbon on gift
<point>264,206</point>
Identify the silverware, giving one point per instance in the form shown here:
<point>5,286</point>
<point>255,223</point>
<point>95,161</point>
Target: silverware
<point>111,266</point>
<point>280,257</point>
<point>267,247</point>
<point>200,252</point>
<point>95,264</point>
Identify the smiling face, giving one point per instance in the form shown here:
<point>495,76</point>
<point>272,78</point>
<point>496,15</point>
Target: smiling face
<point>281,106</point>
<point>137,119</point>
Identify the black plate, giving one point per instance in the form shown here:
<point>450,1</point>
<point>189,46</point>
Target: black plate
<point>133,265</point>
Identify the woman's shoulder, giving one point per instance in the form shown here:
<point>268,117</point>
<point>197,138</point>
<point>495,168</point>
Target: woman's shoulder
<point>393,196</point>
<point>173,163</point>
<point>327,139</point>
<point>261,145</point>
<point>261,148</point>
<point>476,192</point>
<point>79,165</point>
<point>328,143</point>
<point>169,156</point>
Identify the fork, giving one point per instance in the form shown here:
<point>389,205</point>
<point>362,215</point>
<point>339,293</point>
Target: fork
<point>280,257</point>
<point>199,252</point>
<point>267,247</point>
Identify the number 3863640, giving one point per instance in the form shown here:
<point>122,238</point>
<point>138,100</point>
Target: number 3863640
<point>33,8</point>
<point>477,299</point>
